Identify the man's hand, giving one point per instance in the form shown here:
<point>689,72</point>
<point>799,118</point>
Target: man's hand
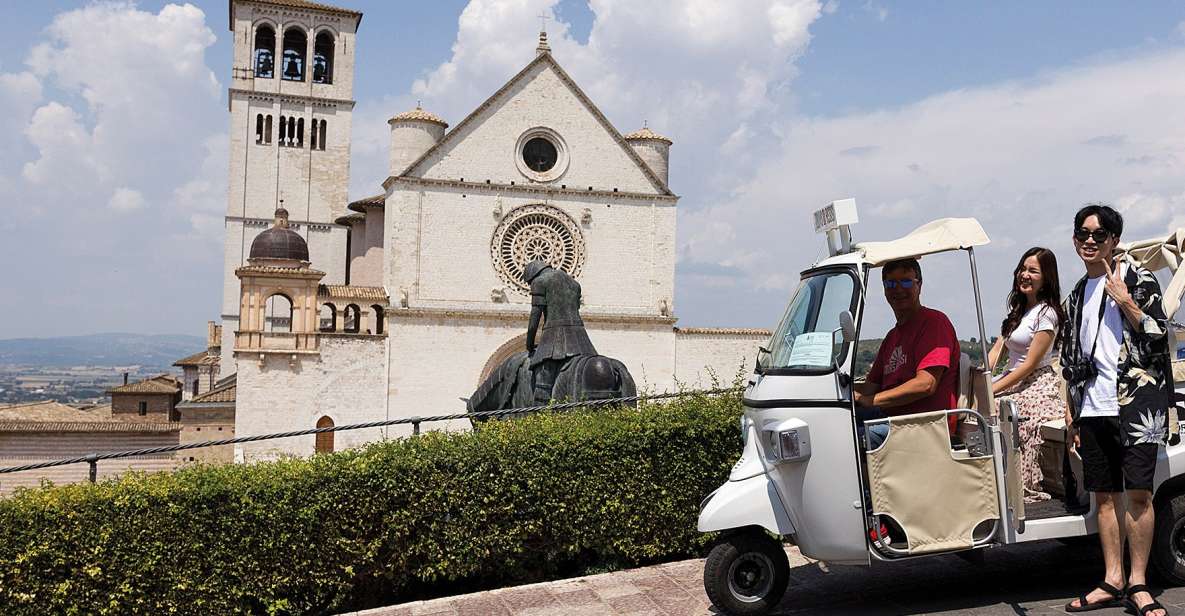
<point>1072,433</point>
<point>863,399</point>
<point>1116,287</point>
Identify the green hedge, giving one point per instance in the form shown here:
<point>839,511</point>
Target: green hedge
<point>520,501</point>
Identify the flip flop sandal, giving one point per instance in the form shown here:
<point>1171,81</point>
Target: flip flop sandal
<point>1143,611</point>
<point>1084,606</point>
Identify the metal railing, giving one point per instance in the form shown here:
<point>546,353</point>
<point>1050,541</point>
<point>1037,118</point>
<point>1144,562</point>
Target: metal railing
<point>93,458</point>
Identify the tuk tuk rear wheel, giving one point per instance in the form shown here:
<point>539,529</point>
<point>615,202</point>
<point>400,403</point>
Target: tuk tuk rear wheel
<point>1168,543</point>
<point>746,573</point>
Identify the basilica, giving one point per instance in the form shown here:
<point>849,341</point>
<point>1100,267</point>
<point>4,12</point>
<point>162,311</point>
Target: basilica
<point>399,304</point>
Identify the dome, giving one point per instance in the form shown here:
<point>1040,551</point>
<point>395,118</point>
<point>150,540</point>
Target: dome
<point>418,114</point>
<point>646,134</point>
<point>280,242</point>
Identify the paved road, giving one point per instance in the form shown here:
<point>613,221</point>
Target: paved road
<point>1036,579</point>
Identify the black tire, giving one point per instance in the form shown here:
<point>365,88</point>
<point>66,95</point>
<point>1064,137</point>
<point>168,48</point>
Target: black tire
<point>746,573</point>
<point>1168,544</point>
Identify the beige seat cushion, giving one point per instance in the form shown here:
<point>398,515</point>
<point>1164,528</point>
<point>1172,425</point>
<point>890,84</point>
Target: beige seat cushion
<point>937,499</point>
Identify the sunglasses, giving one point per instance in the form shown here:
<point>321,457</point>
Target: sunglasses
<point>904,284</point>
<point>1098,235</point>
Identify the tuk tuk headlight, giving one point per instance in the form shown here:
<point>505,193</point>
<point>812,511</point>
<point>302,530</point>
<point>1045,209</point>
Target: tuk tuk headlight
<point>789,441</point>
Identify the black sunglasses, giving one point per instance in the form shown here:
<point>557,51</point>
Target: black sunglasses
<point>904,284</point>
<point>1098,235</point>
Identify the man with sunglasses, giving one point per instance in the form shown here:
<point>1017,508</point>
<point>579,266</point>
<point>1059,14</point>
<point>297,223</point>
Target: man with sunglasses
<point>917,366</point>
<point>1114,354</point>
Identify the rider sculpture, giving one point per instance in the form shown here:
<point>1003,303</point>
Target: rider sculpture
<point>563,365</point>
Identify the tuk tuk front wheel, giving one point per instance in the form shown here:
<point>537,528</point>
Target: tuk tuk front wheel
<point>746,573</point>
<point>1168,543</point>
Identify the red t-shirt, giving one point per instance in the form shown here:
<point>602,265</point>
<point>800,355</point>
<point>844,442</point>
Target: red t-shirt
<point>926,340</point>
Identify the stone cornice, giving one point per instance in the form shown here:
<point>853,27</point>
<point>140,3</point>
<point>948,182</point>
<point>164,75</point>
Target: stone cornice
<point>316,101</point>
<point>723,331</point>
<point>524,189</point>
<point>523,315</point>
<point>292,224</point>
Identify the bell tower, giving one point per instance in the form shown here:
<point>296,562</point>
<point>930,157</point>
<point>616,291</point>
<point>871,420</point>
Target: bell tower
<point>290,102</point>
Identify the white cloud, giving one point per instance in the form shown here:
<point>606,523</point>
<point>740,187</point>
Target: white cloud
<point>1020,156</point>
<point>145,88</point>
<point>126,200</point>
<point>101,132</point>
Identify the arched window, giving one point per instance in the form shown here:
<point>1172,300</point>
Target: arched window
<point>379,319</point>
<point>323,58</point>
<point>259,128</point>
<point>352,319</point>
<point>283,129</point>
<point>295,47</point>
<point>324,439</point>
<point>195,386</point>
<point>313,135</point>
<point>322,132</point>
<point>267,130</point>
<point>278,315</point>
<point>265,52</point>
<point>328,317</point>
<point>300,133</point>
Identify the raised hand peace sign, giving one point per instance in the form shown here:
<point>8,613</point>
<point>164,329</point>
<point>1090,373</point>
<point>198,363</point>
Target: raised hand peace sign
<point>1116,287</point>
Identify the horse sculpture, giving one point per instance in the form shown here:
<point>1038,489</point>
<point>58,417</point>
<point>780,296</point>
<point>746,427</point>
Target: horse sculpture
<point>564,366</point>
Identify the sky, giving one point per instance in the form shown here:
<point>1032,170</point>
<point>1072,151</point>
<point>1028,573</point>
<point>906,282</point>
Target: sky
<point>113,147</point>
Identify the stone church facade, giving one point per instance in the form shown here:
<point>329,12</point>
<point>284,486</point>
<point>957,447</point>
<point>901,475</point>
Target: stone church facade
<point>399,304</point>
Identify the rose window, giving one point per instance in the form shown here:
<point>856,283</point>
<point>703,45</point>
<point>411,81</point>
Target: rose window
<point>536,232</point>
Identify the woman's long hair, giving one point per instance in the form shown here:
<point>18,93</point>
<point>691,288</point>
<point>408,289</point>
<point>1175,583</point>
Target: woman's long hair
<point>1050,293</point>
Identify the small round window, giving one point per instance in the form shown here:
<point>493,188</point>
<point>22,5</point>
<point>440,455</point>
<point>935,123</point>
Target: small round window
<point>540,154</point>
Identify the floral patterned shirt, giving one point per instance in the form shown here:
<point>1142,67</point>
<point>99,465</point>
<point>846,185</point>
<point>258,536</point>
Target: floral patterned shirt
<point>1145,379</point>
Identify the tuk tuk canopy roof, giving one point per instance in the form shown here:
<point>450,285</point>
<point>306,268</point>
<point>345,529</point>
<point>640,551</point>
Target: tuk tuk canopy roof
<point>1167,252</point>
<point>941,235</point>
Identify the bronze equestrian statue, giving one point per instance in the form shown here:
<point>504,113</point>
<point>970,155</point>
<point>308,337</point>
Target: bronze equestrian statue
<point>564,365</point>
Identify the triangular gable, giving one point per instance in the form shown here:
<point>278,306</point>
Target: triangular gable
<point>418,168</point>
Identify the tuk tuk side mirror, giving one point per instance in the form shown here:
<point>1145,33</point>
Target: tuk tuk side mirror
<point>847,326</point>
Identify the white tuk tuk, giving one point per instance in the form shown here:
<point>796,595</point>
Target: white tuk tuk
<point>804,477</point>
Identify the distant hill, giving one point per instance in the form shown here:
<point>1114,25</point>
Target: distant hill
<point>100,350</point>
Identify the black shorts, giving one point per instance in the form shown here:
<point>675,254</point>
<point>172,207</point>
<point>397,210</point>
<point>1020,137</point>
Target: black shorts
<point>1107,465</point>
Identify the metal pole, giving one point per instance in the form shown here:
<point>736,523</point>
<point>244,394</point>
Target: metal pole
<point>979,308</point>
<point>93,460</point>
<point>415,425</point>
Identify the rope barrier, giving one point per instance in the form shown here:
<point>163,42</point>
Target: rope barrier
<point>93,458</point>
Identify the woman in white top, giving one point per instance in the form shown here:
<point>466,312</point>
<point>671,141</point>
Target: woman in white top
<point>1027,336</point>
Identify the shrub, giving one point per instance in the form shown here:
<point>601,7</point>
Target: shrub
<point>519,501</point>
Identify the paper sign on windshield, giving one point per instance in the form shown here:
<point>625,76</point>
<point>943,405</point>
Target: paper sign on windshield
<point>811,349</point>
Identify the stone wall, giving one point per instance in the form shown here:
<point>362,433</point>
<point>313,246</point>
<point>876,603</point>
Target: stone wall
<point>126,407</point>
<point>20,448</point>
<point>345,382</point>
<point>704,354</point>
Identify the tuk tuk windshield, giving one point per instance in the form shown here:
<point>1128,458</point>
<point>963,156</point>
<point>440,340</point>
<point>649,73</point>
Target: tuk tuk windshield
<point>803,340</point>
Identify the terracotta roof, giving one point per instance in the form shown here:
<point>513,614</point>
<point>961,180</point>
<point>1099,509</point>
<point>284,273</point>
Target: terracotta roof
<point>543,57</point>
<point>369,202</point>
<point>353,292</point>
<point>161,384</point>
<point>420,115</point>
<point>646,133</point>
<point>86,426</point>
<point>192,360</point>
<point>51,411</point>
<point>225,394</point>
<point>349,219</point>
<point>204,358</point>
<point>300,4</point>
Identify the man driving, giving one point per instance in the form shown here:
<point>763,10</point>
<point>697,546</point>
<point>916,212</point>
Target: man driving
<point>917,366</point>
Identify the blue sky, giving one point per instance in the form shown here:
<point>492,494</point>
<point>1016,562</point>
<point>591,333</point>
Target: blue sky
<point>1011,112</point>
